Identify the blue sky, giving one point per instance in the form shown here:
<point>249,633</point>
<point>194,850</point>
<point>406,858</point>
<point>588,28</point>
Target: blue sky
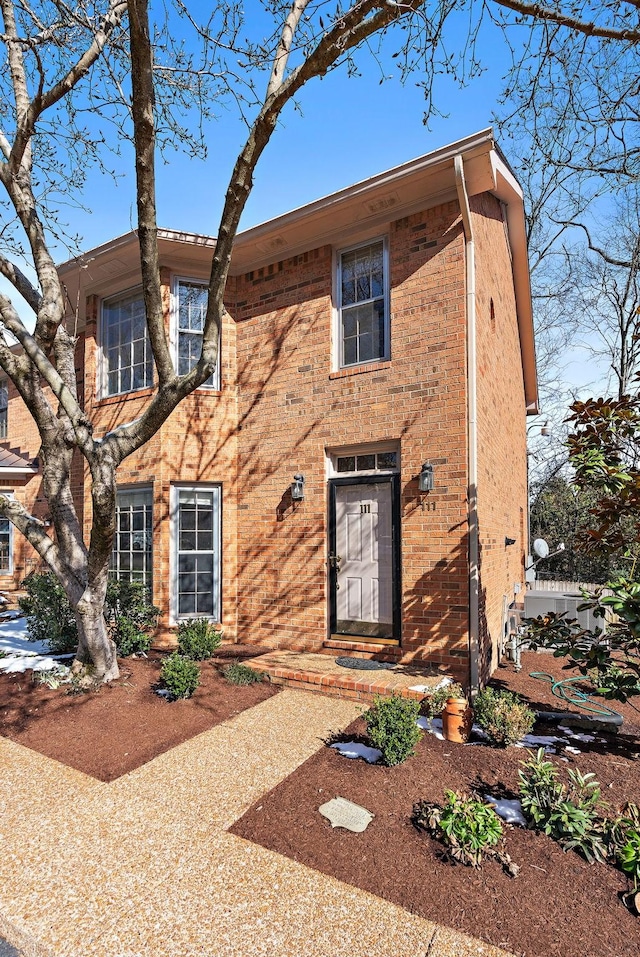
<point>348,129</point>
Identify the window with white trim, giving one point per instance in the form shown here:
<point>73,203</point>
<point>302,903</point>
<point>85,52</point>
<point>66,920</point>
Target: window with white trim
<point>126,349</point>
<point>191,297</point>
<point>4,408</point>
<point>197,552</point>
<point>6,543</point>
<point>132,556</point>
<point>363,328</point>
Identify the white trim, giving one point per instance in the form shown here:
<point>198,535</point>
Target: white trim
<point>337,344</point>
<point>174,503</point>
<point>174,331</point>
<point>4,573</point>
<point>368,448</point>
<point>102,389</point>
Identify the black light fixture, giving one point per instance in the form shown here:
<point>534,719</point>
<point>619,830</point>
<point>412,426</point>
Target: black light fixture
<point>425,479</point>
<point>509,541</point>
<point>297,487</point>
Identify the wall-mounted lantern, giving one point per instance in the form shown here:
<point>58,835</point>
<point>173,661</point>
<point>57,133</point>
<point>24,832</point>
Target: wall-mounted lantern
<point>297,487</point>
<point>425,479</point>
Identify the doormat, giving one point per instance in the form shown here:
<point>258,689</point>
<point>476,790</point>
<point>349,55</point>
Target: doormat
<point>364,664</point>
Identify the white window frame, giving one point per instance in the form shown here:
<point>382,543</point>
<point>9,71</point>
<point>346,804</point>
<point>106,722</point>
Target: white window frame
<point>216,550</point>
<point>4,408</point>
<point>214,381</point>
<point>113,570</point>
<point>8,571</point>
<point>338,351</point>
<point>103,389</point>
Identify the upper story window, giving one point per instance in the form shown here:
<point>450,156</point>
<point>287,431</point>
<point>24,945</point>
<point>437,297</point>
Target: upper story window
<point>363,296</point>
<point>191,308</point>
<point>128,361</point>
<point>4,408</point>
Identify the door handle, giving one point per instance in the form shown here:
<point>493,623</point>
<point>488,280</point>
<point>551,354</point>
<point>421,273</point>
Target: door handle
<point>334,561</point>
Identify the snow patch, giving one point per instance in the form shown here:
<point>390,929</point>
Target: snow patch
<point>351,749</point>
<point>432,726</point>
<point>509,811</point>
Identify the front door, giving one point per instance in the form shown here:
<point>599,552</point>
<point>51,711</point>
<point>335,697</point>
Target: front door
<point>363,557</point>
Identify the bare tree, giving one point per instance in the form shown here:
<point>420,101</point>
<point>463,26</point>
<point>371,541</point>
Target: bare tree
<point>70,69</point>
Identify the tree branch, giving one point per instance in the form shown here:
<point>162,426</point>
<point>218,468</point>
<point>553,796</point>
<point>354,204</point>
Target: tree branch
<point>20,282</point>
<point>34,531</point>
<point>590,29</point>
<point>145,142</point>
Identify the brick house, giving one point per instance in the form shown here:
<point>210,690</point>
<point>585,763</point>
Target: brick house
<point>378,342</point>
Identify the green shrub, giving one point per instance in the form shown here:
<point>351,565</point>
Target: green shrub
<point>392,727</point>
<point>436,702</point>
<point>129,639</point>
<point>567,813</point>
<point>180,675</point>
<point>468,828</point>
<point>48,613</point>
<point>502,716</point>
<point>127,611</point>
<point>130,616</point>
<point>629,857</point>
<point>238,674</point>
<point>197,638</point>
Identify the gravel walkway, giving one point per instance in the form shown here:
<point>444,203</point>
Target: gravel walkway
<point>144,866</point>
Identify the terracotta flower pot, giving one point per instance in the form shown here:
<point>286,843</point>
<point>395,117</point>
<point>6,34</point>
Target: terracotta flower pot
<point>457,719</point>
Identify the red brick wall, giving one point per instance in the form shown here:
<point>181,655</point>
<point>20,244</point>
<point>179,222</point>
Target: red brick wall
<point>293,407</point>
<point>197,444</point>
<point>502,479</point>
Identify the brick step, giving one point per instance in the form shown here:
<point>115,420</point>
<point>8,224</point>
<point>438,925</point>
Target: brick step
<point>316,672</point>
<point>368,650</point>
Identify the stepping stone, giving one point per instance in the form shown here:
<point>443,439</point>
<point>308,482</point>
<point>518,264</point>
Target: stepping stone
<point>343,813</point>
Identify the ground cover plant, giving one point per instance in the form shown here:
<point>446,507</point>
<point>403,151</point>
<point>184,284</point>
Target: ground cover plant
<point>469,829</point>
<point>239,674</point>
<point>559,905</point>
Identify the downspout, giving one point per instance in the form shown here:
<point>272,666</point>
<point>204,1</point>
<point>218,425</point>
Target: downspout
<point>472,427</point>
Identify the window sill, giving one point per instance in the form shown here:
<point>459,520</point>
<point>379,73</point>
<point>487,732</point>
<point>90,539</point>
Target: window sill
<point>363,367</point>
<point>147,393</point>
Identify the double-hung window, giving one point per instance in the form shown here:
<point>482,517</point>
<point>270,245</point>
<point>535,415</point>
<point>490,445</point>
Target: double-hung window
<point>363,296</point>
<point>126,348</point>
<point>6,542</point>
<point>132,556</point>
<point>196,517</point>
<point>4,408</point>
<point>191,307</point>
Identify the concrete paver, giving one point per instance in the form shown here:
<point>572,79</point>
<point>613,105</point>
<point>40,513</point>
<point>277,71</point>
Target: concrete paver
<point>145,866</point>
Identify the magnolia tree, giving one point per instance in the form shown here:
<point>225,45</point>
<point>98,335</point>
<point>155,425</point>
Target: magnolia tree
<point>81,76</point>
<point>604,450</point>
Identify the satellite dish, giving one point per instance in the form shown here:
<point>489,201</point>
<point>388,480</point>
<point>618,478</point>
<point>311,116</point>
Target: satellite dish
<point>540,548</point>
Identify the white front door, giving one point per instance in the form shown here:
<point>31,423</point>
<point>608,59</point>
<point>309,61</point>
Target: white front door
<point>364,546</point>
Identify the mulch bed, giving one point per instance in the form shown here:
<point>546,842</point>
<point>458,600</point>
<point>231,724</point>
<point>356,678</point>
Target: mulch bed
<point>124,724</point>
<point>558,906</point>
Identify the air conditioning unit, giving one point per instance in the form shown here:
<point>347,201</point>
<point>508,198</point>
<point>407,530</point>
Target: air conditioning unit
<point>542,602</point>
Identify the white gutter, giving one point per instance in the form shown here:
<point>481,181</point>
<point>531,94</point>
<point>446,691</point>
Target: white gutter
<point>472,426</point>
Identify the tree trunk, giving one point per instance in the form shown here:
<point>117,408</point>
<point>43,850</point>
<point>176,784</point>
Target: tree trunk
<point>96,654</point>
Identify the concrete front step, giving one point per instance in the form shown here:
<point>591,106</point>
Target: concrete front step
<point>307,671</point>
